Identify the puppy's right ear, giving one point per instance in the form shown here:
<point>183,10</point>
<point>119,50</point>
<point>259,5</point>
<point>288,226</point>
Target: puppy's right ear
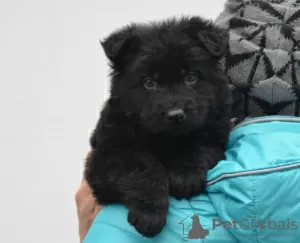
<point>213,38</point>
<point>121,46</point>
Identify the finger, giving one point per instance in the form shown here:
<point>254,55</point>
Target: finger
<point>85,211</point>
<point>83,194</point>
<point>86,204</point>
<point>97,209</point>
<point>89,153</point>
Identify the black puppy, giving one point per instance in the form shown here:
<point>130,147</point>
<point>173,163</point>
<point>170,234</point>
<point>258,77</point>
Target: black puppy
<point>167,120</point>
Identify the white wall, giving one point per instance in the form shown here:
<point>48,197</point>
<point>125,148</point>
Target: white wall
<point>53,77</point>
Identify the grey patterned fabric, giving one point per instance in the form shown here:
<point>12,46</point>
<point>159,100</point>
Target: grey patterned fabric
<point>263,62</point>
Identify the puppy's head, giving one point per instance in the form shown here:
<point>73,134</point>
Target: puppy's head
<point>165,74</point>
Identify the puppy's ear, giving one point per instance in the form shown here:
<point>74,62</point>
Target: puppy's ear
<point>214,39</point>
<point>121,45</point>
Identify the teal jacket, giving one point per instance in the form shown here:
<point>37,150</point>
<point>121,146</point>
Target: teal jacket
<point>252,196</point>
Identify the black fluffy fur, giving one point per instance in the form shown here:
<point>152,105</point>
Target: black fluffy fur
<point>140,157</point>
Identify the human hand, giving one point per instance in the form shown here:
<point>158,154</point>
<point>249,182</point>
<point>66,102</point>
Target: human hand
<point>87,208</point>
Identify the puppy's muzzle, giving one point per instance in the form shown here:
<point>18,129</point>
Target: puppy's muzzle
<point>176,116</point>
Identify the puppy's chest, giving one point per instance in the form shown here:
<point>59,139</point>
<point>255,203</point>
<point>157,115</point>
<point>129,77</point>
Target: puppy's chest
<point>168,151</point>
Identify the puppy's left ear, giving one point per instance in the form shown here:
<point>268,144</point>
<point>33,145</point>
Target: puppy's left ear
<point>213,38</point>
<point>121,45</point>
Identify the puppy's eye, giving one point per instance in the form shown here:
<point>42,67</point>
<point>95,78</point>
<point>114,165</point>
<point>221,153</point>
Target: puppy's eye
<point>149,83</point>
<point>191,78</point>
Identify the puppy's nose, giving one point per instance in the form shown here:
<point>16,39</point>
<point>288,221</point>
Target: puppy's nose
<point>176,115</point>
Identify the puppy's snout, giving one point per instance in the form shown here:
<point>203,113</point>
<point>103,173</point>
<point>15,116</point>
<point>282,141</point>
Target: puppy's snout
<point>176,115</point>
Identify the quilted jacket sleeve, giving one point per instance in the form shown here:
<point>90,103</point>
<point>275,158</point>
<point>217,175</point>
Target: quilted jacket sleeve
<point>111,226</point>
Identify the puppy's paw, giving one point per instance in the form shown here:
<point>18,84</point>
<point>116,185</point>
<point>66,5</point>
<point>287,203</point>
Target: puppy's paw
<point>146,223</point>
<point>186,184</point>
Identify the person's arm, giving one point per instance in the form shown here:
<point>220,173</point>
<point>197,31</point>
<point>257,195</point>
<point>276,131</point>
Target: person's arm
<point>111,227</point>
<point>87,209</point>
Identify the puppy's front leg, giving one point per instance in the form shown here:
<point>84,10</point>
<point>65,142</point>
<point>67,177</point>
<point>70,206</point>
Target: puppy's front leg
<point>134,179</point>
<point>188,170</point>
